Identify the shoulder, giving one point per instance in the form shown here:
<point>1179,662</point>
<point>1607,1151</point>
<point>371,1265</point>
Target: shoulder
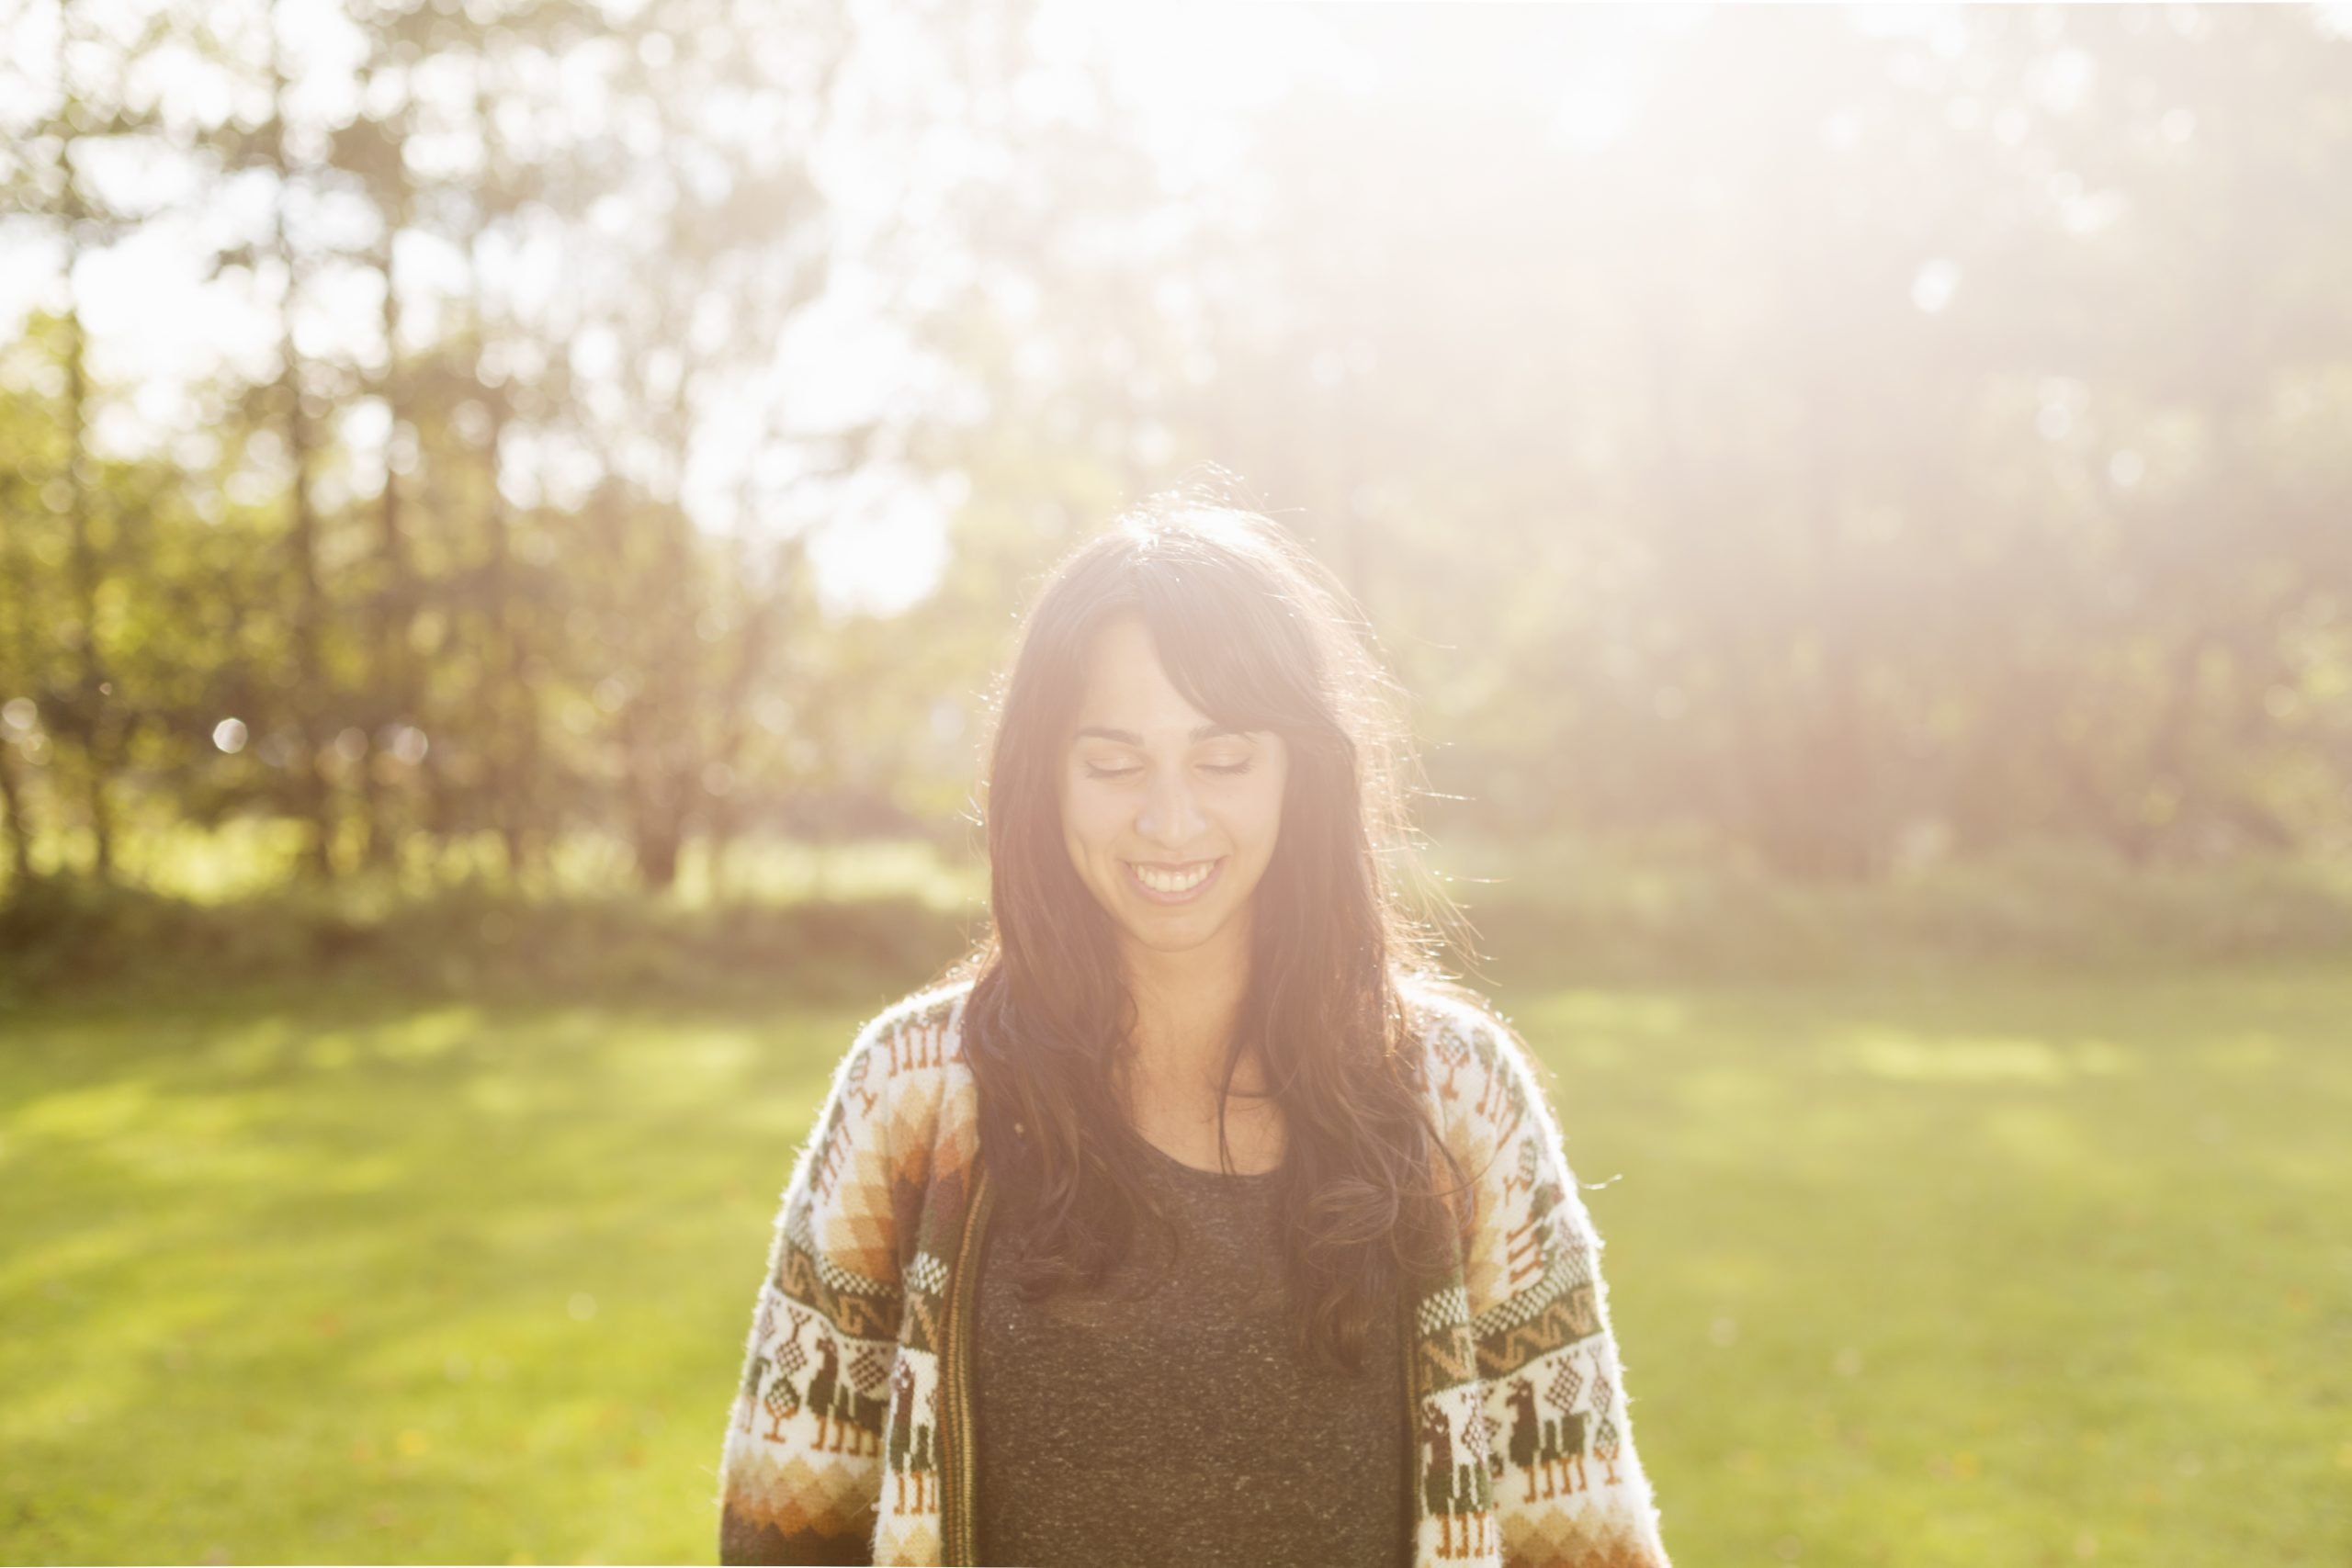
<point>1443,1007</point>
<point>900,1058</point>
<point>877,1135</point>
<point>906,1063</point>
<point>1529,1232</point>
<point>1484,1084</point>
<point>920,1033</point>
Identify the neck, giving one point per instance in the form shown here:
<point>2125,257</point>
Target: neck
<point>1186,1007</point>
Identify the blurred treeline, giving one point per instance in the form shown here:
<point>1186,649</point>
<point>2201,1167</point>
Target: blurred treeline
<point>1843,443</point>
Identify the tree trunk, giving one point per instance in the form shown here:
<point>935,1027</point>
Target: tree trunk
<point>95,689</point>
<point>12,804</point>
<point>757,635</point>
<point>311,785</point>
<point>657,843</point>
<point>395,600</point>
<point>507,692</point>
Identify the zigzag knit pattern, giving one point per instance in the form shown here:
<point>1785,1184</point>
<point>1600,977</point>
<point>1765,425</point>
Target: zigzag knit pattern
<point>841,1445</point>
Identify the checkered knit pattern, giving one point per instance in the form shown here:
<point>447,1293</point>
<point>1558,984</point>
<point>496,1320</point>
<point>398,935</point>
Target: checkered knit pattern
<point>844,1444</point>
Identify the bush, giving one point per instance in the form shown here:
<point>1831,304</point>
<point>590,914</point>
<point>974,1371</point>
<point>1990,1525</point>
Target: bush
<point>1562,914</point>
<point>57,936</point>
<point>2036,907</point>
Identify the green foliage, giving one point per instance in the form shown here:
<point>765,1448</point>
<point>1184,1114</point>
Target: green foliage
<point>1894,426</point>
<point>784,919</point>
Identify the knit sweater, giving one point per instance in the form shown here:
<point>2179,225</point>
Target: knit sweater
<point>851,1436</point>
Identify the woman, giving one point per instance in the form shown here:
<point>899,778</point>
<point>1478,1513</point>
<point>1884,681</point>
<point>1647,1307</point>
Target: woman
<point>1193,1219</point>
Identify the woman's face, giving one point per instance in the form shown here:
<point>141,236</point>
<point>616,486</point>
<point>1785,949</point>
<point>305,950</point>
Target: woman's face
<point>1169,818</point>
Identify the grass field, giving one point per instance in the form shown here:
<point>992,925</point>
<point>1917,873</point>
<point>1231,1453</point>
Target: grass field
<point>1992,1272</point>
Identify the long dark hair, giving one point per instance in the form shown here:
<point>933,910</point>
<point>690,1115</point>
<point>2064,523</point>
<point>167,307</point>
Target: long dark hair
<point>1257,635</point>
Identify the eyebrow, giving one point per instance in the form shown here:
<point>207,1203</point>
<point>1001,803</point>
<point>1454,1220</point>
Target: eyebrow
<point>1129,737</point>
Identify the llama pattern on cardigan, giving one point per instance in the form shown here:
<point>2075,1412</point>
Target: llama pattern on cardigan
<point>846,1443</point>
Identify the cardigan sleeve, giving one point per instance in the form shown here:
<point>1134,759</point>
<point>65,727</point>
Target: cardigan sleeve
<point>801,1474</point>
<point>1570,1491</point>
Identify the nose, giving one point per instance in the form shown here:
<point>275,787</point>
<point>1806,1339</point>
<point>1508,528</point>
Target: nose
<point>1170,818</point>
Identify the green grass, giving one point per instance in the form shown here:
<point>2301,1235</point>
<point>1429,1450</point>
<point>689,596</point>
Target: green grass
<point>2013,1271</point>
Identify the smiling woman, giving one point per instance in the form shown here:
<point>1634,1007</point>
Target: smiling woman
<point>1196,1218</point>
<point>1170,819</point>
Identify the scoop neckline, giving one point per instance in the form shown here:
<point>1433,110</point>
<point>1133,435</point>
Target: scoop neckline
<point>1204,1173</point>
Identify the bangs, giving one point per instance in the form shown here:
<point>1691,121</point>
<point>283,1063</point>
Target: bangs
<point>1235,652</point>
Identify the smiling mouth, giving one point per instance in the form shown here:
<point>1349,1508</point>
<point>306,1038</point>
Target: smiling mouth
<point>1173,884</point>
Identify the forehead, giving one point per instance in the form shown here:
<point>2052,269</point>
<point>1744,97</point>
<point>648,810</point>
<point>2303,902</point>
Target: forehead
<point>1124,684</point>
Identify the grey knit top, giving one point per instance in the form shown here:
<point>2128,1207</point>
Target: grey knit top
<point>1178,1426</point>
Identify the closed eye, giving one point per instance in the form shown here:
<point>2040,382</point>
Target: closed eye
<point>1094,772</point>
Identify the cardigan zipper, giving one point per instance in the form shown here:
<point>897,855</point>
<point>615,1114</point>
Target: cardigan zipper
<point>1412,1435</point>
<point>959,1522</point>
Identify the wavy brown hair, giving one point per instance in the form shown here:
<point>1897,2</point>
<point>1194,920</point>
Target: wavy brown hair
<point>1257,635</point>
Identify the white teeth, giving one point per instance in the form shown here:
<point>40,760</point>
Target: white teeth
<point>1164,882</point>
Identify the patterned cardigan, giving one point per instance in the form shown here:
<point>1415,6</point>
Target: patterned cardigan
<point>851,1437</point>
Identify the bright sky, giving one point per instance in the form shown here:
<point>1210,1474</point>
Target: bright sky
<point>160,327</point>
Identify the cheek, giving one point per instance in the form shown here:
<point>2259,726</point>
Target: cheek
<point>1087,821</point>
<point>1263,812</point>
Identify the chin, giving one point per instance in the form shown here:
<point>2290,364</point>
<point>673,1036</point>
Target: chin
<point>1197,927</point>
<point>1171,930</point>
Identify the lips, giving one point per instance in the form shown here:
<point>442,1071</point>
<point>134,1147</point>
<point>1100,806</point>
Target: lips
<point>1153,894</point>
